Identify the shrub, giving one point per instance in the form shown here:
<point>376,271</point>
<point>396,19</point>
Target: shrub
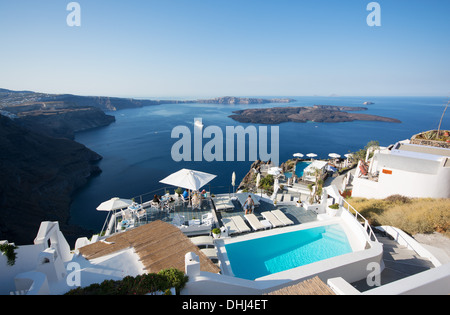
<point>9,251</point>
<point>398,199</point>
<point>139,285</point>
<point>216,231</point>
<point>424,215</point>
<point>175,278</point>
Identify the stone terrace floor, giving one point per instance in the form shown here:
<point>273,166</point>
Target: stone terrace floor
<point>296,214</point>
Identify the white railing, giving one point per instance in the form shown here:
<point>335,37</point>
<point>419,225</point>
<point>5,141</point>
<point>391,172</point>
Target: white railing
<point>366,224</point>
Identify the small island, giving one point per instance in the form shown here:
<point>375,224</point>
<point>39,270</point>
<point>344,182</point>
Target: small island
<point>316,113</point>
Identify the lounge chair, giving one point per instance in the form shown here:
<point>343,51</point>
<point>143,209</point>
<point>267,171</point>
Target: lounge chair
<point>126,215</point>
<point>223,203</point>
<point>184,201</point>
<point>240,223</point>
<point>141,214</point>
<point>364,170</point>
<point>279,197</point>
<point>242,197</point>
<point>269,216</point>
<point>202,241</point>
<point>211,253</point>
<point>231,226</point>
<point>282,217</point>
<point>287,198</point>
<point>207,218</point>
<point>254,222</point>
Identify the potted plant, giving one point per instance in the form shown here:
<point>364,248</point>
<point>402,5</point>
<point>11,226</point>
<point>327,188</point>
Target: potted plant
<point>179,191</point>
<point>9,251</point>
<point>216,232</point>
<point>299,204</point>
<point>333,209</point>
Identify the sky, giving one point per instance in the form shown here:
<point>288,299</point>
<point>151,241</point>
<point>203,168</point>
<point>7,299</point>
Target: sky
<point>211,48</point>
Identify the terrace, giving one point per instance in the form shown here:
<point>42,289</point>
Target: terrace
<point>201,219</point>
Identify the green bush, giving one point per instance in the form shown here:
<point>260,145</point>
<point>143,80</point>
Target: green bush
<point>139,285</point>
<point>9,251</point>
<point>267,182</point>
<point>176,279</point>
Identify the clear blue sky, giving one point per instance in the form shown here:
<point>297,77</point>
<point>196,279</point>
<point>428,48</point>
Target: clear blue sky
<point>202,48</point>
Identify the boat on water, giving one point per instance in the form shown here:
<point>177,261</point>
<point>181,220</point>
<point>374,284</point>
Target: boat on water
<point>198,123</point>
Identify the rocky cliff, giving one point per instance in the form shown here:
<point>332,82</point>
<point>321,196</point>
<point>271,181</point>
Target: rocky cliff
<point>62,121</point>
<point>39,175</point>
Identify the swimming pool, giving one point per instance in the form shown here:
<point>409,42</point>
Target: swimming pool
<point>260,257</point>
<point>299,168</point>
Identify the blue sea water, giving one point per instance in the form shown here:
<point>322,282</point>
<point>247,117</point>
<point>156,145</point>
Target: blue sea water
<point>136,149</point>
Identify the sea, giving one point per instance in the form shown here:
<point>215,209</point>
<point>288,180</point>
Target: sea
<point>137,148</point>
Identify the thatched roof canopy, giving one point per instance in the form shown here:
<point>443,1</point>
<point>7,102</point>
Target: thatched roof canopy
<point>159,245</point>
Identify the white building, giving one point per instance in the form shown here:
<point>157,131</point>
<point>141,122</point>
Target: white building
<point>309,173</point>
<point>406,169</point>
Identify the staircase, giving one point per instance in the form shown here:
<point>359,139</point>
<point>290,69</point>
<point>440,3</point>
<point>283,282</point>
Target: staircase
<point>400,262</point>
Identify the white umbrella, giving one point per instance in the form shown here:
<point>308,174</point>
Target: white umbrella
<point>188,179</point>
<point>233,180</point>
<point>114,204</point>
<point>298,155</point>
<point>311,155</point>
<point>258,179</point>
<point>334,155</point>
<point>348,156</point>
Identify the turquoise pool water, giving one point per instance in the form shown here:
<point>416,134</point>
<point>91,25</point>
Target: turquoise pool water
<point>260,257</point>
<point>300,167</point>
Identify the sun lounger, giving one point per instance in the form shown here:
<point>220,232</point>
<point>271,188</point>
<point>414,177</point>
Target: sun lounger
<point>202,241</point>
<point>287,197</point>
<point>242,197</point>
<point>240,223</point>
<point>254,222</point>
<point>279,197</point>
<point>282,217</point>
<point>210,252</point>
<point>231,226</point>
<point>223,203</point>
<point>269,216</point>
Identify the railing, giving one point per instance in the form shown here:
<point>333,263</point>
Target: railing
<point>145,200</point>
<point>366,224</point>
<point>141,199</point>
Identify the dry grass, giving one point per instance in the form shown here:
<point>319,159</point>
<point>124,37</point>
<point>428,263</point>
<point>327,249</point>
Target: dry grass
<point>411,215</point>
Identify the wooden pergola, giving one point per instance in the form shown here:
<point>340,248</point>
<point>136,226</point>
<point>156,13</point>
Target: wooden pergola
<point>159,245</point>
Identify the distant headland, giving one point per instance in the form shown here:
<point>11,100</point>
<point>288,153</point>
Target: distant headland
<point>316,113</point>
<point>43,164</point>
